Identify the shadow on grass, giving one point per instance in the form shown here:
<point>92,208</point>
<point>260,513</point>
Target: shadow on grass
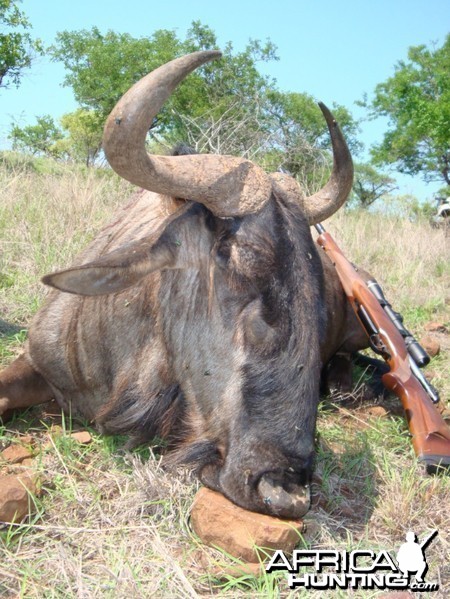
<point>8,329</point>
<point>344,486</point>
<point>345,483</point>
<point>12,336</point>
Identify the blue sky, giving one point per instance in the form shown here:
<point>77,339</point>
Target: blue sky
<point>335,51</point>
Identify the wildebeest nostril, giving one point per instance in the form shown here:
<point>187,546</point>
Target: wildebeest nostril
<point>285,499</point>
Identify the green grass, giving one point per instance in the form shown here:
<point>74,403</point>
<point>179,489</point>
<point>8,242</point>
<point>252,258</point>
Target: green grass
<point>11,343</point>
<point>112,523</point>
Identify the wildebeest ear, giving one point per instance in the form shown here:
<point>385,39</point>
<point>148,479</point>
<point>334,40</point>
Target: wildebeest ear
<point>116,271</point>
<point>127,265</point>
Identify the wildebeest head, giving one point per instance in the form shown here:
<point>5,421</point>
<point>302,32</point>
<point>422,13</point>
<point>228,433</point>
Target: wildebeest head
<point>236,294</point>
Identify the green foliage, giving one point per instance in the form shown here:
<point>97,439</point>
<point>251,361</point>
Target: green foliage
<point>101,67</point>
<point>39,139</point>
<point>10,340</point>
<point>299,135</point>
<point>369,185</point>
<point>403,206</point>
<point>225,107</point>
<point>85,132</point>
<point>443,192</point>
<point>416,100</point>
<point>299,112</point>
<point>17,48</point>
<point>79,140</point>
<point>422,210</point>
<point>18,162</point>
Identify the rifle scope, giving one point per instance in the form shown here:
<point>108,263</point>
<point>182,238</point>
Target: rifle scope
<point>415,350</point>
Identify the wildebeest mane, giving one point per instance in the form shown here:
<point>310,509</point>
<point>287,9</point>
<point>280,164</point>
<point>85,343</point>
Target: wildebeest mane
<point>143,418</point>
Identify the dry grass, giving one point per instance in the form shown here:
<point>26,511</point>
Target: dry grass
<point>410,259</point>
<point>111,524</point>
<point>45,219</point>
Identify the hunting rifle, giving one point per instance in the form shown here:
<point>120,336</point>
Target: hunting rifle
<point>403,354</point>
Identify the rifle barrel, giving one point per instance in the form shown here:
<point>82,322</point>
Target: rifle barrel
<point>432,392</point>
<point>430,434</point>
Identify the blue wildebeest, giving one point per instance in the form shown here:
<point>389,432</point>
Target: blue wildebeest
<point>203,314</point>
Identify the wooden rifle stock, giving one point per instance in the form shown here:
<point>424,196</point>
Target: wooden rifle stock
<point>430,433</point>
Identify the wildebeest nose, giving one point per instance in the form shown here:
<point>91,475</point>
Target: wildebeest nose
<point>284,499</point>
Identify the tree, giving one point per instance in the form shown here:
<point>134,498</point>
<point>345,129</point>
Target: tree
<point>102,67</point>
<point>222,107</point>
<point>405,206</point>
<point>300,142</point>
<point>369,185</point>
<point>416,100</point>
<point>84,140</point>
<point>17,48</point>
<point>39,139</point>
<point>226,106</point>
<point>78,139</point>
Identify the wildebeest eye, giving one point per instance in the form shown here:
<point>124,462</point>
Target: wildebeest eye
<point>223,254</point>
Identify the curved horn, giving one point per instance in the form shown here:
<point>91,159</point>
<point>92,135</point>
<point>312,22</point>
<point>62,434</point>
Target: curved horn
<point>329,199</point>
<point>227,185</point>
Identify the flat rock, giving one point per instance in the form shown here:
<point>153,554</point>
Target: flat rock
<point>430,345</point>
<point>436,327</point>
<point>377,411</point>
<point>15,454</point>
<point>82,437</point>
<point>220,523</point>
<point>27,463</point>
<point>27,440</point>
<point>14,497</point>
